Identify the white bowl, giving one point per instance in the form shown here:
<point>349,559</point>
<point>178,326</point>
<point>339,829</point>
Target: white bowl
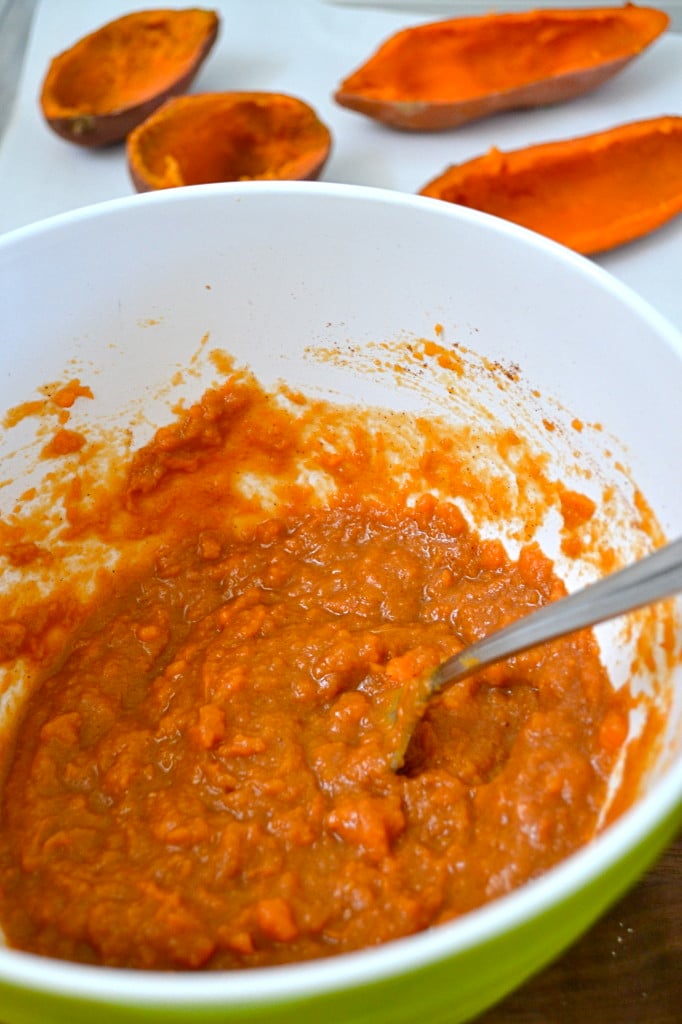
<point>126,291</point>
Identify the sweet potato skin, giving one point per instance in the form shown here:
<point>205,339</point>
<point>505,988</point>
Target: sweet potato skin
<point>590,193</point>
<point>84,121</point>
<point>475,43</point>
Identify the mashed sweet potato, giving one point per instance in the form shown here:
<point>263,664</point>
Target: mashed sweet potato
<point>200,778</point>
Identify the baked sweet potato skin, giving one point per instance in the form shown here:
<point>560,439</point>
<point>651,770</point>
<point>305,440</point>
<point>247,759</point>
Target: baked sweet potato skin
<point>443,74</point>
<point>591,193</point>
<point>111,80</point>
<point>227,136</point>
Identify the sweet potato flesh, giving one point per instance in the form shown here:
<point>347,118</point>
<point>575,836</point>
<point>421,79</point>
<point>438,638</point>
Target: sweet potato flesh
<point>463,58</point>
<point>127,62</point>
<point>590,193</point>
<point>211,137</point>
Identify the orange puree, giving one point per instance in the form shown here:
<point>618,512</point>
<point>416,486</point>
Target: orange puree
<point>200,779</point>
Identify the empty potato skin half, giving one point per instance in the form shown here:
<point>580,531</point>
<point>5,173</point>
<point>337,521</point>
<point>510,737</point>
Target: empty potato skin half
<point>228,136</point>
<point>591,193</point>
<point>443,74</point>
<point>108,82</point>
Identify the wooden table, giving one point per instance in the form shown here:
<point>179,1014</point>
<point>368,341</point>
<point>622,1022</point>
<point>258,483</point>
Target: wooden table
<point>626,970</point>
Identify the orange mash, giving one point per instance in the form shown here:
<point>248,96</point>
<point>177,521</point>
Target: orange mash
<point>200,779</point>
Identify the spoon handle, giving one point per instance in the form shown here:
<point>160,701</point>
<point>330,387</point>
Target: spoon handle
<point>652,578</point>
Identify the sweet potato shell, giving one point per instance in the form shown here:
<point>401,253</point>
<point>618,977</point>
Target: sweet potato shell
<point>228,136</point>
<point>90,120</point>
<point>619,184</point>
<point>411,50</point>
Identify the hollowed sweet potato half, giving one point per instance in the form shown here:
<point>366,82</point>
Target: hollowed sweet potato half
<point>445,73</point>
<point>591,193</point>
<point>227,136</point>
<point>108,82</point>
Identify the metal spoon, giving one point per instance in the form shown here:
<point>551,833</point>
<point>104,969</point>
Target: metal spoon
<point>651,579</point>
